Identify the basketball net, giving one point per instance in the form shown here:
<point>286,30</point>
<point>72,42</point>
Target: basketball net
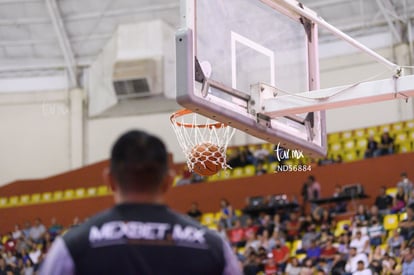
<point>202,140</point>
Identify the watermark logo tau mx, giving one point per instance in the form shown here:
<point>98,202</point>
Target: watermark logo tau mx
<point>283,154</point>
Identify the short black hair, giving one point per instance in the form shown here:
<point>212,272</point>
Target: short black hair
<point>139,162</point>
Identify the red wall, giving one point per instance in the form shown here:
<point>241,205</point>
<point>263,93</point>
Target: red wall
<point>371,173</point>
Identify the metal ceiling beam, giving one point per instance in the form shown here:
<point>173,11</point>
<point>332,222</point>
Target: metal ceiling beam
<point>326,3</point>
<point>2,2</point>
<point>35,42</point>
<point>122,12</point>
<point>40,64</point>
<point>64,42</point>
<point>390,22</point>
<point>91,15</point>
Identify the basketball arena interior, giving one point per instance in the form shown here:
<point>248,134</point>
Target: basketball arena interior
<point>75,75</point>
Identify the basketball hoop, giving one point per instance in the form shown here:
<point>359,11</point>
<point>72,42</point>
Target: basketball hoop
<point>203,141</point>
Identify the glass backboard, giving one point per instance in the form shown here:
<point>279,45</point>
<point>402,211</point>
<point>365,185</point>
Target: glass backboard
<point>234,54</point>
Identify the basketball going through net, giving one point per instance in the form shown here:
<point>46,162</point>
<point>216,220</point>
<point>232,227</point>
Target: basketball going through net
<point>203,142</point>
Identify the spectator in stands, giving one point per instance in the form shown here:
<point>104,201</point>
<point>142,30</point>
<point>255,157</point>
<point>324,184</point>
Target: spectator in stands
<point>276,236</point>
<point>407,225</point>
<point>280,255</point>
<point>35,255</point>
<point>392,268</point>
<point>314,251</point>
<point>399,201</point>
<point>76,222</point>
<point>241,157</point>
<point>376,232</point>
<point>375,267</point>
<point>29,268</point>
<point>328,252</point>
<point>227,213</point>
<point>361,243</point>
<point>340,207</point>
<point>9,243</point>
<point>250,266</point>
<point>250,226</point>
<point>396,243</point>
<point>248,156</point>
<point>264,240</point>
<point>361,216</point>
<point>374,213</point>
<point>21,244</point>
<point>37,231</point>
<point>277,223</point>
<point>236,234</point>
<point>293,226</point>
<point>261,154</point>
<point>338,265</point>
<point>386,145</point>
<point>305,195</point>
<point>354,257</point>
<point>317,216</point>
<point>308,267</point>
<point>26,229</point>
<point>270,267</point>
<point>324,235</point>
<point>410,199</point>
<point>293,267</point>
<point>362,269</point>
<point>265,224</point>
<point>3,268</point>
<point>306,221</point>
<point>406,184</point>
<point>252,242</point>
<point>262,257</point>
<point>10,258</point>
<point>184,176</point>
<point>377,254</point>
<point>314,190</point>
<point>383,201</point>
<point>372,147</point>
<point>309,236</point>
<point>240,257</point>
<point>17,233</point>
<point>408,264</point>
<point>322,267</point>
<point>54,229</point>
<point>326,218</point>
<point>195,212</point>
<point>260,170</point>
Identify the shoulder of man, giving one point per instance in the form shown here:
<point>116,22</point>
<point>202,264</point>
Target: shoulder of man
<point>77,238</point>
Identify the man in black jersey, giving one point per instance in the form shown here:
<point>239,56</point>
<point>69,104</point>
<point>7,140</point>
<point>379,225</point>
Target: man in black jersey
<point>139,235</point>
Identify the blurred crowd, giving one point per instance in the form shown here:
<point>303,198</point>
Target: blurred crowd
<point>23,250</point>
<point>290,243</point>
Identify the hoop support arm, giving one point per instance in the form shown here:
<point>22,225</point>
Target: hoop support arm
<point>337,97</point>
<point>300,10</point>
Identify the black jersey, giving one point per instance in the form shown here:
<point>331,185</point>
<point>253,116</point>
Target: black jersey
<point>140,239</point>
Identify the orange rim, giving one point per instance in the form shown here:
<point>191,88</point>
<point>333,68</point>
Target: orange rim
<point>184,112</point>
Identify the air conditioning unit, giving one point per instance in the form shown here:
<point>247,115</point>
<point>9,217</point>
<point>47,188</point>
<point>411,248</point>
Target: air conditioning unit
<point>138,78</point>
<point>138,61</point>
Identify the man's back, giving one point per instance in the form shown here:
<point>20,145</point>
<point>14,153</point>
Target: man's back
<point>143,239</point>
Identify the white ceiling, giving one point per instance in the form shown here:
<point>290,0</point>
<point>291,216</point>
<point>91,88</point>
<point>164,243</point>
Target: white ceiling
<point>40,37</point>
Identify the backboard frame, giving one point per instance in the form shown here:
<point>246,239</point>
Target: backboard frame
<point>307,134</point>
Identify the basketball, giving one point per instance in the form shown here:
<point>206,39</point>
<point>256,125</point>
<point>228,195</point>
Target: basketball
<point>207,159</point>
